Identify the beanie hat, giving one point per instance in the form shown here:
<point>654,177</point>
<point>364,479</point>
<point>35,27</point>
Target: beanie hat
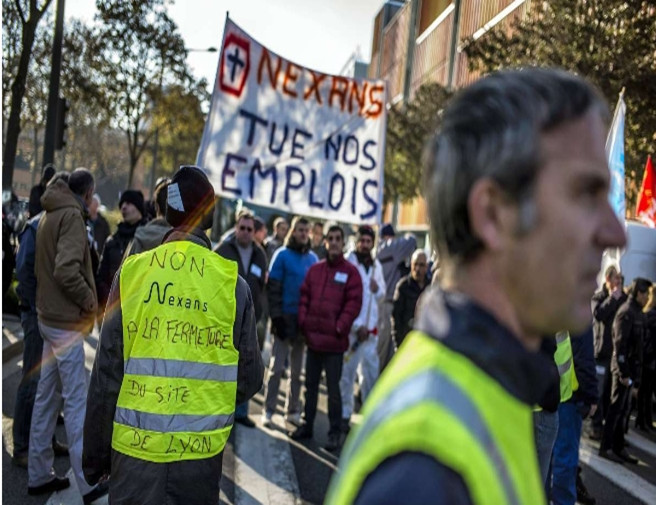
<point>190,199</point>
<point>365,229</point>
<point>135,197</point>
<point>387,230</point>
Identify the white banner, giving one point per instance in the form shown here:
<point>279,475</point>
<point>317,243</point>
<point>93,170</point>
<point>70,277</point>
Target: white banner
<point>287,137</point>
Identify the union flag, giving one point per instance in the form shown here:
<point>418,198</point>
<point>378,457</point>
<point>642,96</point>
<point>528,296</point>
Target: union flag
<point>646,206</point>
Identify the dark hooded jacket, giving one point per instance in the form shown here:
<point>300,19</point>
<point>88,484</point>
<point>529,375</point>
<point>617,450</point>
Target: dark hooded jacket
<point>65,289</point>
<point>178,482</point>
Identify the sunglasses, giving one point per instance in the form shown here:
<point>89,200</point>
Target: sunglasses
<point>246,228</point>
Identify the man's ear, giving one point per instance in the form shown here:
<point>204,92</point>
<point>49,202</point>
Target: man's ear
<point>492,216</point>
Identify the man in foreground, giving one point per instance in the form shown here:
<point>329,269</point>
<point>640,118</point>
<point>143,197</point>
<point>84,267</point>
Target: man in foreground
<point>516,182</point>
<point>177,352</point>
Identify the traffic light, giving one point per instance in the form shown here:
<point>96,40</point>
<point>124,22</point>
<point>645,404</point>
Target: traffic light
<point>62,124</point>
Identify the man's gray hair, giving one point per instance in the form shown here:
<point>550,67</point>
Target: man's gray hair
<point>493,129</point>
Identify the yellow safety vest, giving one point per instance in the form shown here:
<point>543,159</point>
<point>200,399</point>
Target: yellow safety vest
<point>177,399</point>
<point>437,402</point>
<point>565,363</point>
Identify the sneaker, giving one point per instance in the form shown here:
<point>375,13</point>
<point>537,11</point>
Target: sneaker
<point>100,490</point>
<point>245,421</point>
<point>56,484</point>
<point>267,419</point>
<point>333,443</point>
<point>301,433</point>
<point>294,419</point>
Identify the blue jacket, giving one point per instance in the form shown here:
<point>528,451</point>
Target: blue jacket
<point>25,264</point>
<point>286,275</point>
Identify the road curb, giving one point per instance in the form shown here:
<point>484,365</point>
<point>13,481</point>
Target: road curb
<point>11,351</point>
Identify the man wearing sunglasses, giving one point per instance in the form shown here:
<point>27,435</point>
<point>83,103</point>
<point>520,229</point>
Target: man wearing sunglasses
<point>252,262</point>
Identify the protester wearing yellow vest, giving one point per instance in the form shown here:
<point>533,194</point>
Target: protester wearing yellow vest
<point>516,185</point>
<point>579,396</point>
<point>178,349</point>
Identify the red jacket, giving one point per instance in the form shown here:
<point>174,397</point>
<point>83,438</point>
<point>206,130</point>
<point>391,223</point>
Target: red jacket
<point>331,298</point>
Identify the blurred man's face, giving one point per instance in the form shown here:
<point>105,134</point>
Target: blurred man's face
<point>244,231</point>
<point>334,243</point>
<point>613,281</point>
<point>574,223</point>
<point>282,229</point>
<point>261,235</point>
<point>93,208</point>
<point>317,234</point>
<point>301,233</point>
<point>130,213</point>
<point>419,267</point>
<point>365,244</point>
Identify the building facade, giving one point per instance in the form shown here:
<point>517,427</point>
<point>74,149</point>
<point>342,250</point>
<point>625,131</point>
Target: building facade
<point>420,41</point>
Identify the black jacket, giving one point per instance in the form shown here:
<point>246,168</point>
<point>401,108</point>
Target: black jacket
<point>628,334</point>
<point>604,308</point>
<point>584,367</point>
<point>254,274</point>
<point>406,295</point>
<point>194,482</point>
<point>34,206</point>
<point>111,259</point>
<point>101,231</point>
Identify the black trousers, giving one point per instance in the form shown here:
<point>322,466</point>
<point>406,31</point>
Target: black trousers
<point>331,362</point>
<point>605,384</point>
<point>645,392</point>
<point>613,437</point>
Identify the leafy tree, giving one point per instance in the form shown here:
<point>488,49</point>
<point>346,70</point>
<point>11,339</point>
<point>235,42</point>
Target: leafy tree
<point>28,24</point>
<point>611,42</point>
<point>180,120</point>
<point>408,129</point>
<point>139,51</point>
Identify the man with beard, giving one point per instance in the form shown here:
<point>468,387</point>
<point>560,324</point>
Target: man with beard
<point>286,274</point>
<point>131,205</point>
<point>363,339</point>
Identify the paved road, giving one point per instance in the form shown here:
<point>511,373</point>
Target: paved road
<point>264,466</point>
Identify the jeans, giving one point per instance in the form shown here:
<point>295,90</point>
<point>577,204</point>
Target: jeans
<point>63,359</point>
<point>279,353</point>
<point>546,430</point>
<point>32,351</point>
<point>565,459</point>
<point>314,364</point>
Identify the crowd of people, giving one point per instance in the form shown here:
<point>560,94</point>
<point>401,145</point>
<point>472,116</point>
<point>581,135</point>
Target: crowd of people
<point>474,378</point>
